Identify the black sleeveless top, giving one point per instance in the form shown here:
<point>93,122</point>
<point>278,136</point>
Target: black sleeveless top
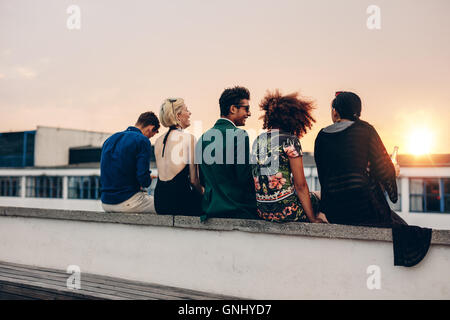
<point>177,196</point>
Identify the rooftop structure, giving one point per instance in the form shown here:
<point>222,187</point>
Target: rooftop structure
<point>51,147</point>
<point>429,160</point>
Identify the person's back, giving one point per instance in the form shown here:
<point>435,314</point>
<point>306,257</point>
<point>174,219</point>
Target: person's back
<point>352,163</point>
<point>229,189</point>
<point>118,166</point>
<point>282,192</point>
<point>225,166</point>
<point>124,166</point>
<point>342,160</point>
<point>178,190</point>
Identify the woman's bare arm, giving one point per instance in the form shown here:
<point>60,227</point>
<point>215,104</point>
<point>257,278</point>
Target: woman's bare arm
<point>302,189</point>
<point>193,168</point>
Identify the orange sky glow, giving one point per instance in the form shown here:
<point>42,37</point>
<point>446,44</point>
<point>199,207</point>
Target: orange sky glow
<point>128,56</point>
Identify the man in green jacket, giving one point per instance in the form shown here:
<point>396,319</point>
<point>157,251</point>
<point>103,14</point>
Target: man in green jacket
<point>224,153</point>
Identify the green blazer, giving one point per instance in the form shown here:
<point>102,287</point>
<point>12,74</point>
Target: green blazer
<point>225,172</point>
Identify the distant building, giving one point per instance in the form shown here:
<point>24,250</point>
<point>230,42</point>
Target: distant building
<point>424,190</point>
<point>46,146</point>
<point>52,145</point>
<point>52,168</point>
<point>17,149</point>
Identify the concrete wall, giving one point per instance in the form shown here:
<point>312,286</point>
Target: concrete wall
<point>52,144</point>
<point>244,258</point>
<point>47,203</point>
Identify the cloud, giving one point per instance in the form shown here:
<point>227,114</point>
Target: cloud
<point>26,73</point>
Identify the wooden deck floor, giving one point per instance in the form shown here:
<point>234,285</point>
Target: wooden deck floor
<point>36,283</point>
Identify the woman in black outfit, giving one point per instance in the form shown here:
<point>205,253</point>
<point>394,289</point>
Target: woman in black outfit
<point>354,168</point>
<point>178,190</point>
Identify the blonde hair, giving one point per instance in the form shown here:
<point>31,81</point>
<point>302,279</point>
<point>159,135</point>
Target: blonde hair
<point>169,110</point>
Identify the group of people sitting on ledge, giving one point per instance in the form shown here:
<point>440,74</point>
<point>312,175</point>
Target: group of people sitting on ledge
<point>220,177</point>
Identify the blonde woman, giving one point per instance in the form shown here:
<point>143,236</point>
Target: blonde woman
<point>178,190</point>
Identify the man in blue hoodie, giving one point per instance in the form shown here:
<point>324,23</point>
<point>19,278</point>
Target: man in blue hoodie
<point>125,167</point>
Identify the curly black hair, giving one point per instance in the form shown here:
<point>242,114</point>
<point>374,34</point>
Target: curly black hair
<point>287,113</point>
<point>232,96</point>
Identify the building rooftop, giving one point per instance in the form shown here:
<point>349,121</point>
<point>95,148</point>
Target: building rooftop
<point>72,129</point>
<point>430,160</point>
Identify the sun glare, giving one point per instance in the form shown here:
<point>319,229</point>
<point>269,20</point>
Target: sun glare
<point>420,141</point>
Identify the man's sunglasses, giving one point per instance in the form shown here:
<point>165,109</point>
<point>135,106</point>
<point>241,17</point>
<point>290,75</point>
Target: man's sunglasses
<point>247,107</point>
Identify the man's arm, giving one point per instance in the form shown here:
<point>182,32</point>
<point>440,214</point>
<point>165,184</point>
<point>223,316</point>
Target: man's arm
<point>143,164</point>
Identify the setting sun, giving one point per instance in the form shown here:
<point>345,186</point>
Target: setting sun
<point>420,141</point>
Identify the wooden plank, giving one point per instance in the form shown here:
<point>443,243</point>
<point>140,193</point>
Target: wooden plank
<point>45,290</point>
<point>85,290</point>
<point>52,289</point>
<point>10,296</point>
<point>33,292</point>
<point>139,291</point>
<point>123,283</point>
<point>87,285</point>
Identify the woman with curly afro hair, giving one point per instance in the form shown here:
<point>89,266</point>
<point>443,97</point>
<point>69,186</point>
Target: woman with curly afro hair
<point>282,193</point>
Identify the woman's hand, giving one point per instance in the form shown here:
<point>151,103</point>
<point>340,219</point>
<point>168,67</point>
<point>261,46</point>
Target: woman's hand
<point>397,170</point>
<point>322,217</point>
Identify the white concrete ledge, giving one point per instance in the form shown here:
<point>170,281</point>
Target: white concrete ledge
<point>243,258</point>
<point>89,216</point>
<point>255,226</point>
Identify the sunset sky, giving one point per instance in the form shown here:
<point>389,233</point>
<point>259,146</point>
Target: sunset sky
<point>129,56</point>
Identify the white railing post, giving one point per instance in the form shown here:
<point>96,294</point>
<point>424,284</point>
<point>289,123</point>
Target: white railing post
<point>405,194</point>
<point>23,186</point>
<point>65,190</point>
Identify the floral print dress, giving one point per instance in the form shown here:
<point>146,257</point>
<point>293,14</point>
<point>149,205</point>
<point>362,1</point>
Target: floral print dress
<point>275,191</point>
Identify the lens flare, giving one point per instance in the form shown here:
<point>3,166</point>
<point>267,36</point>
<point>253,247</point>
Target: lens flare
<point>420,141</point>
